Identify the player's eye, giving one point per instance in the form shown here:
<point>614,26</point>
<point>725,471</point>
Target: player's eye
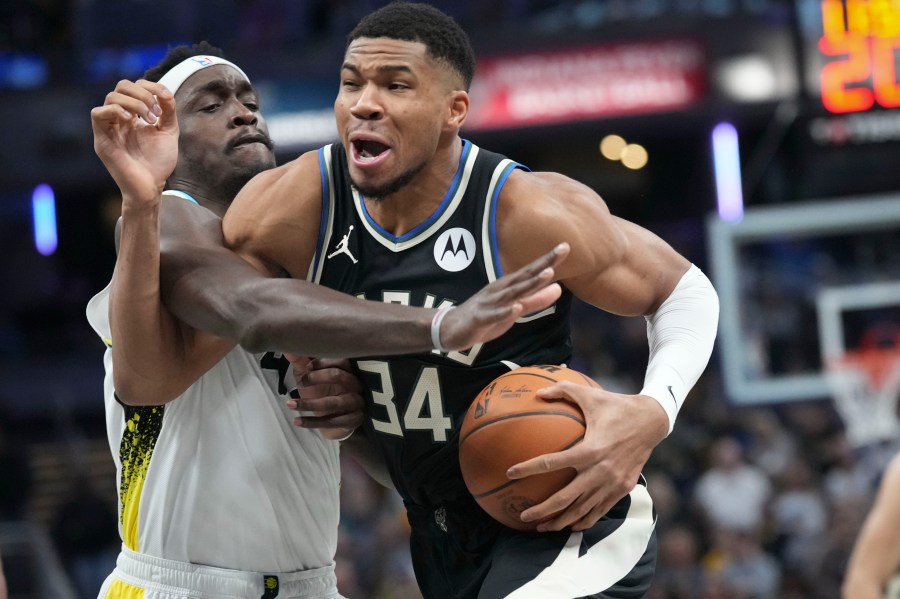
<point>210,108</point>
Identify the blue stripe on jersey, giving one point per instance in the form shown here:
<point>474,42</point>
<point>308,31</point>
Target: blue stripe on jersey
<point>467,146</point>
<point>493,221</point>
<point>323,221</point>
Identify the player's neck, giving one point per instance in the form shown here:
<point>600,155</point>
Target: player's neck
<point>412,205</point>
<point>201,194</point>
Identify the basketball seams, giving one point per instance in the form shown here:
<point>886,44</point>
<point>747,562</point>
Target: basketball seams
<point>511,482</point>
<point>520,415</point>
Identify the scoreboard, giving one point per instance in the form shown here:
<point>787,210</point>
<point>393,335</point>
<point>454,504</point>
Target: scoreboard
<point>858,46</point>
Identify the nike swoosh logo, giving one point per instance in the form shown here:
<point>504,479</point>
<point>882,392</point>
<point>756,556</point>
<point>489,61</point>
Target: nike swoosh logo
<point>672,394</point>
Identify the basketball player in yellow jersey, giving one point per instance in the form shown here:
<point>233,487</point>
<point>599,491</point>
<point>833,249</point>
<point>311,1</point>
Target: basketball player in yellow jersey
<point>404,175</point>
<point>219,494</point>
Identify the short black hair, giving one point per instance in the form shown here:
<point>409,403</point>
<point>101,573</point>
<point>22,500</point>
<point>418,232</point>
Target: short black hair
<point>179,54</point>
<point>417,22</point>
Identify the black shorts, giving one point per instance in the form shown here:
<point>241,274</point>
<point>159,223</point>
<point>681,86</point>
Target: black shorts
<point>460,552</point>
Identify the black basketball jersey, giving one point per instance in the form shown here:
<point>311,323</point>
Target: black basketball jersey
<point>418,401</point>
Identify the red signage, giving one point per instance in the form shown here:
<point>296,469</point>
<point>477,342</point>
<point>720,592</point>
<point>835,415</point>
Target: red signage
<point>588,82</point>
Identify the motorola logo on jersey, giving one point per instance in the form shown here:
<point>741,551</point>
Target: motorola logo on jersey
<point>454,249</point>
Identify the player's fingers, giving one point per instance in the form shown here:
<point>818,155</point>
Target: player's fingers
<point>166,102</point>
<point>144,105</point>
<point>342,363</point>
<point>339,379</point>
<point>548,462</point>
<point>341,421</point>
<point>592,517</point>
<point>104,116</point>
<point>296,359</point>
<point>544,298</point>
<point>534,268</point>
<point>518,286</point>
<point>551,510</point>
<point>344,403</point>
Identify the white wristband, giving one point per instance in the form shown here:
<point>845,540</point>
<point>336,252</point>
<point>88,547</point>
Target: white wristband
<point>436,327</point>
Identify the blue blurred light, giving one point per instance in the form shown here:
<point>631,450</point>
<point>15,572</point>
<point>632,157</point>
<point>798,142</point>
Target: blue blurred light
<point>727,164</point>
<point>43,209</point>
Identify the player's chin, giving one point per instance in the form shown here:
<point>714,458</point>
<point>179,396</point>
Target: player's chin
<point>254,161</point>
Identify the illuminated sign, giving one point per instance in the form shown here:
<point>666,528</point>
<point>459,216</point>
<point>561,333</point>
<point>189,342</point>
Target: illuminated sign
<point>586,82</point>
<point>860,40</point>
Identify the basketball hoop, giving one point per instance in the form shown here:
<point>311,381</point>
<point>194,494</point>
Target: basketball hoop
<point>865,386</point>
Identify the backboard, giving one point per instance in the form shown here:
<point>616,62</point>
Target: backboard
<point>770,270</point>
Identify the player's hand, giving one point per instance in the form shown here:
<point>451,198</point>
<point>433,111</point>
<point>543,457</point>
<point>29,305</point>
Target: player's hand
<point>328,396</point>
<point>136,137</point>
<point>621,432</point>
<point>493,310</point>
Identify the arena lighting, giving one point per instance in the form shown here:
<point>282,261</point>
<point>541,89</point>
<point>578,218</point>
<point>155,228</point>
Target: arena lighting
<point>611,147</point>
<point>727,165</point>
<point>43,210</point>
<point>634,156</point>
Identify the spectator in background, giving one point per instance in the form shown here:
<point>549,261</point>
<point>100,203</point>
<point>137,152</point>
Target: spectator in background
<point>799,515</point>
<point>732,494</point>
<point>678,573</point>
<point>875,561</point>
<point>87,538</point>
<point>749,572</point>
<point>770,446</point>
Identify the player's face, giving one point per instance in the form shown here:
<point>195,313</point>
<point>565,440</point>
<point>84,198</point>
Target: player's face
<point>223,138</point>
<point>394,104</point>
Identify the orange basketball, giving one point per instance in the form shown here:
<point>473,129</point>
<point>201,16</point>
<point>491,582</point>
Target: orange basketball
<point>507,424</point>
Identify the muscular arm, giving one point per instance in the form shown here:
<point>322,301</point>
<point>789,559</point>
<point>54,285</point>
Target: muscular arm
<point>273,225</point>
<point>155,356</point>
<point>614,265</point>
<point>211,288</point>
<point>876,554</point>
<point>624,269</point>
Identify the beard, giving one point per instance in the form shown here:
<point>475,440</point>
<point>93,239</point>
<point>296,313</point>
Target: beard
<point>379,192</point>
<point>238,176</point>
<point>225,179</point>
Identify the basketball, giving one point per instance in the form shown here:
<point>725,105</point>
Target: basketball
<point>507,424</point>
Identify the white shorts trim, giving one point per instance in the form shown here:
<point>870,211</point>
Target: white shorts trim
<point>164,578</point>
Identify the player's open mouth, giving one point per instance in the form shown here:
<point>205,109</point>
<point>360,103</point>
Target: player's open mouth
<point>368,153</point>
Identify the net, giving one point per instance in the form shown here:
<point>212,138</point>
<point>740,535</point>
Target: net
<point>865,386</point>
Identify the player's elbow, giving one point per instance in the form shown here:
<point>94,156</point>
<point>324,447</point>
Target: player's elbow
<point>254,336</point>
<point>253,325</point>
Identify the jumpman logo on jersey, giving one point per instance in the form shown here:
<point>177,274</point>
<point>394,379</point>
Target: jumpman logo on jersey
<point>343,246</point>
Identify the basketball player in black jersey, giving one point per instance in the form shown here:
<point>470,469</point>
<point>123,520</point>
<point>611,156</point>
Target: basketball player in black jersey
<point>405,211</point>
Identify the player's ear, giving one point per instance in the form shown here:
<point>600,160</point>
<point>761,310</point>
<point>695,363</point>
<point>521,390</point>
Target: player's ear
<point>459,109</point>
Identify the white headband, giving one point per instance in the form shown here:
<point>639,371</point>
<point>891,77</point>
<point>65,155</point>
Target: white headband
<point>178,74</point>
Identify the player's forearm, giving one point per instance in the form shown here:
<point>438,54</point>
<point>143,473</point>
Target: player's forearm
<point>299,317</point>
<point>681,333</point>
<point>361,449</point>
<point>143,335</point>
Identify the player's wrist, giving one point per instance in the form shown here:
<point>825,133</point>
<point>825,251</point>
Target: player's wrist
<point>438,339</point>
<point>142,202</point>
